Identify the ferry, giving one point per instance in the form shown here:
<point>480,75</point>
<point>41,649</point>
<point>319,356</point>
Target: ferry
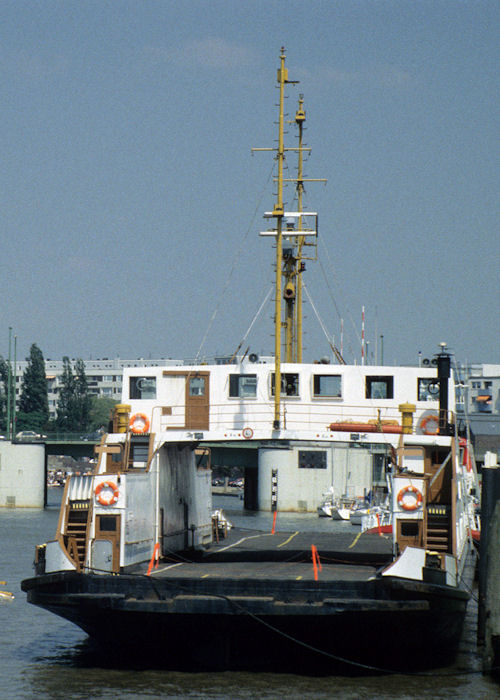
<point>140,562</point>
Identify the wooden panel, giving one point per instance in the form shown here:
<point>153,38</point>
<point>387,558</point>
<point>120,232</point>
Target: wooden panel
<point>107,527</point>
<point>197,401</point>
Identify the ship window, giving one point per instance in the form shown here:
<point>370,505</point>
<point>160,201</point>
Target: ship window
<point>409,528</point>
<point>142,388</point>
<point>107,523</point>
<point>312,459</point>
<point>289,384</point>
<point>378,463</point>
<point>197,386</point>
<point>242,385</point>
<point>428,390</point>
<point>327,385</point>
<point>140,452</point>
<point>379,387</point>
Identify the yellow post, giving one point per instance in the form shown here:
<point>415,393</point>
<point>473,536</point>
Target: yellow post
<point>407,410</point>
<point>121,417</point>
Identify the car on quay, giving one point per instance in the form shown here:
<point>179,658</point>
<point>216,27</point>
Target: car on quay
<point>29,436</point>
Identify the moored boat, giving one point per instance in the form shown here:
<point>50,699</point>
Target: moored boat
<point>140,563</point>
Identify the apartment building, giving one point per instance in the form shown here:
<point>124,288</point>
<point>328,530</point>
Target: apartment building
<point>104,376</point>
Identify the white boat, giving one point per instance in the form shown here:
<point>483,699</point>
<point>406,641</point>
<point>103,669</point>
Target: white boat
<point>135,563</point>
<point>341,512</point>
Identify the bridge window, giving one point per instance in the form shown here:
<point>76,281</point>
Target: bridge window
<point>142,388</point>
<point>243,385</point>
<point>428,390</point>
<point>379,387</point>
<point>289,384</point>
<point>327,385</point>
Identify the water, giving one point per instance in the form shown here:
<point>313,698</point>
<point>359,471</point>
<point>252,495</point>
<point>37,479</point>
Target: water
<point>44,656</point>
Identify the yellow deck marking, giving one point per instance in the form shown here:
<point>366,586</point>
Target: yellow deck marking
<point>298,578</point>
<point>165,568</point>
<point>288,540</point>
<point>355,540</point>
<point>205,575</point>
<point>243,539</point>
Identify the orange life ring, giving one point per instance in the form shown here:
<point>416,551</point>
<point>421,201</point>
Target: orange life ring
<point>424,423</point>
<point>107,493</point>
<point>139,424</point>
<point>247,433</point>
<point>412,505</point>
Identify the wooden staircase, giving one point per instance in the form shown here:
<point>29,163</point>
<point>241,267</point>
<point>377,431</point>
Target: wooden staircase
<point>75,535</point>
<point>78,513</point>
<point>438,528</point>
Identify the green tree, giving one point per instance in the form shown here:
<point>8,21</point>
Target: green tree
<point>33,403</point>
<point>100,412</point>
<point>4,381</point>
<point>65,401</point>
<point>74,401</point>
<point>82,397</point>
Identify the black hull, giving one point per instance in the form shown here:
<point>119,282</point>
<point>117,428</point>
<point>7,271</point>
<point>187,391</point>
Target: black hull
<point>381,624</point>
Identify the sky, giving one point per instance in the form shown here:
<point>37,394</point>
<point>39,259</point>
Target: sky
<point>131,202</point>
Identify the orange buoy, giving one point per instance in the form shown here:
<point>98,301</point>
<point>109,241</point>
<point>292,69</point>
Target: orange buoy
<point>107,493</point>
<point>415,500</point>
<point>139,424</point>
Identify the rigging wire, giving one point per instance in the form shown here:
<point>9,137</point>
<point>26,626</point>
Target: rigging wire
<point>327,282</point>
<point>266,299</point>
<point>337,354</point>
<point>233,267</point>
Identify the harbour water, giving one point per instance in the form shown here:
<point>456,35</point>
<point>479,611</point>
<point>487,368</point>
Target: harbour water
<point>44,656</point>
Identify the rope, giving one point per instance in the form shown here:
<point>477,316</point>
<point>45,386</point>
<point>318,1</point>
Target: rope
<point>233,267</point>
<point>339,357</point>
<point>316,650</point>
<point>266,299</point>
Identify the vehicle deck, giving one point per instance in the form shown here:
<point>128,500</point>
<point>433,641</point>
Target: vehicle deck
<point>257,555</point>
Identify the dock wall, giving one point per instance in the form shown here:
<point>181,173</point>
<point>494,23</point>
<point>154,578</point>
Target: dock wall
<point>22,475</point>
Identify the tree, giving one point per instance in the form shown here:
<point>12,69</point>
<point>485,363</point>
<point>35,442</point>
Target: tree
<point>65,402</point>
<point>82,397</point>
<point>100,412</point>
<point>33,402</point>
<point>73,406</point>
<point>4,379</point>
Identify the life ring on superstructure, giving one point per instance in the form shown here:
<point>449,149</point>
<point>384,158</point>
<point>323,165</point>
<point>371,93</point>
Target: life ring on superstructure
<point>430,424</point>
<point>416,501</point>
<point>107,493</point>
<point>139,424</point>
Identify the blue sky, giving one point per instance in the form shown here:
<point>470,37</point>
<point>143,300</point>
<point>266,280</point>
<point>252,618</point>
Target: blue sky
<point>131,202</point>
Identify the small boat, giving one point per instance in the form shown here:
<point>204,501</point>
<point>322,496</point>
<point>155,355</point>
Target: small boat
<point>335,508</point>
<point>341,511</point>
<point>5,595</point>
<point>377,521</point>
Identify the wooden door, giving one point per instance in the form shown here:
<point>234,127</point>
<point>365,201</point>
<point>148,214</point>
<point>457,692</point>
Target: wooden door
<point>198,400</point>
<point>106,544</point>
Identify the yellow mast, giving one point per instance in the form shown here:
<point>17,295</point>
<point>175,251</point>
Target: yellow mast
<point>300,118</point>
<point>288,265</point>
<point>278,214</point>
